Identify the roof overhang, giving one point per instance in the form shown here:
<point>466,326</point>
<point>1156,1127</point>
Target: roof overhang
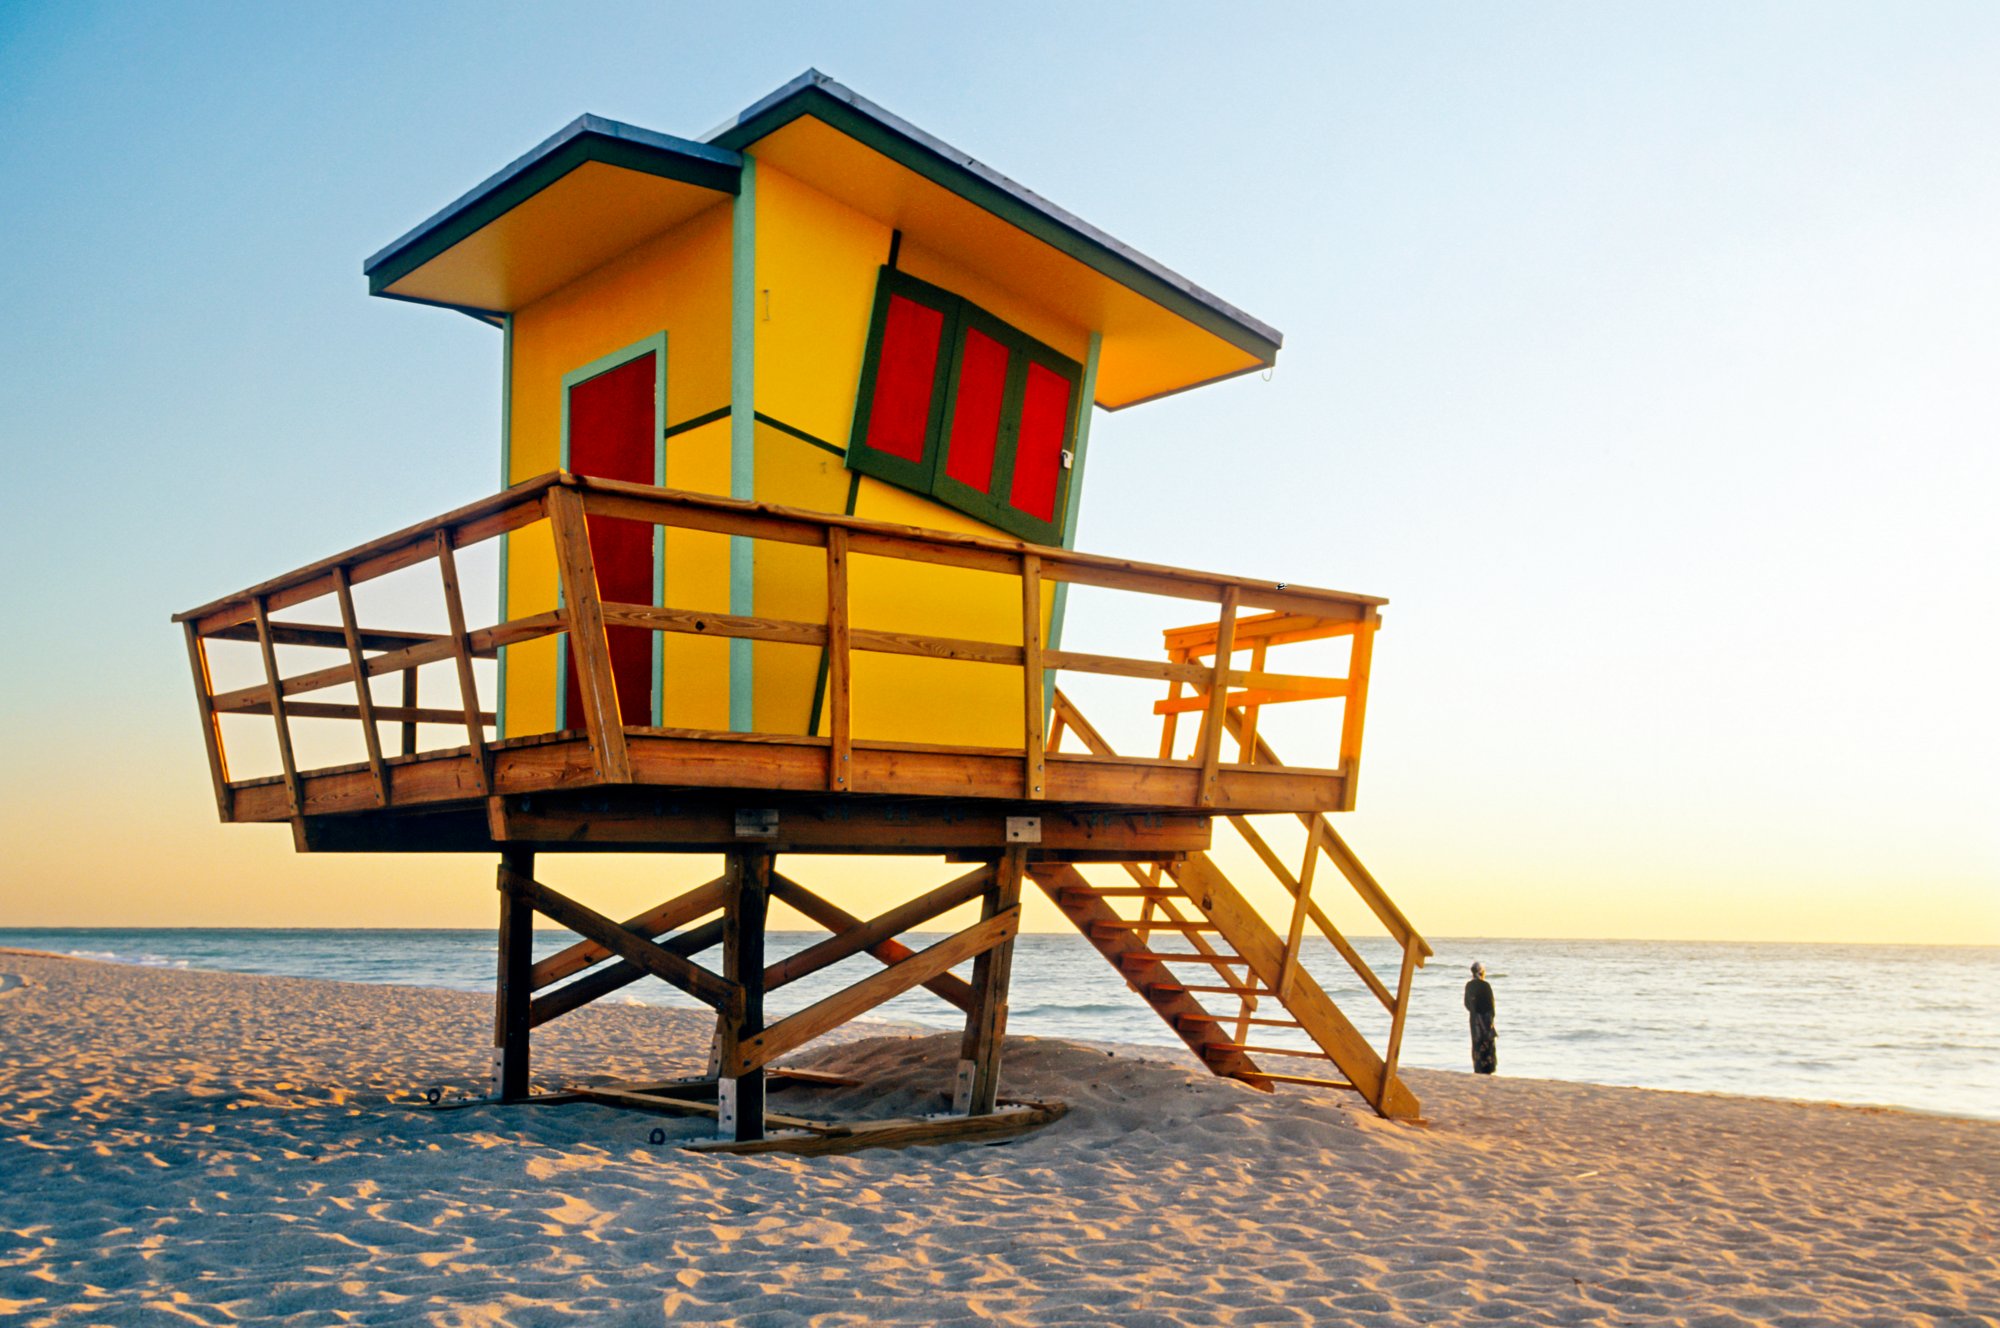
<point>1161,332</point>
<point>582,197</point>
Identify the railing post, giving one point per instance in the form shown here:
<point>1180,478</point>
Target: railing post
<point>1247,735</point>
<point>839,663</point>
<point>277,692</point>
<point>468,689</point>
<point>408,736</point>
<point>1295,934</point>
<point>1218,697</point>
<point>211,723</point>
<point>590,646</point>
<point>1355,712</point>
<point>1396,1019</point>
<point>364,701</point>
<point>1033,696</point>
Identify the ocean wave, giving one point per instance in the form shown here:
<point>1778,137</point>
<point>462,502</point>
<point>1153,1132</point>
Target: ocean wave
<point>126,957</point>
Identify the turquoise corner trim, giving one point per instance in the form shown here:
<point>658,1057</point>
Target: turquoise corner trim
<point>1073,506</point>
<point>743,436</point>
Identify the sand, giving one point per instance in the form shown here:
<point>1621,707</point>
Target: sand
<point>196,1148</point>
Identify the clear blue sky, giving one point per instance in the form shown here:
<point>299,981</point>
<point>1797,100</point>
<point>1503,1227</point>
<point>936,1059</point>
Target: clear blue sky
<point>1647,358</point>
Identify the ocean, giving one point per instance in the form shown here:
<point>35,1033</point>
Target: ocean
<point>1904,1026</point>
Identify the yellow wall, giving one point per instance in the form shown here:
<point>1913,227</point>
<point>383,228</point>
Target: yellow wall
<point>678,282</point>
<point>817,264</point>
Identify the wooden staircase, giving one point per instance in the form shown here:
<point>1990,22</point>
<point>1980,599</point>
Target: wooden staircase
<point>1188,941</point>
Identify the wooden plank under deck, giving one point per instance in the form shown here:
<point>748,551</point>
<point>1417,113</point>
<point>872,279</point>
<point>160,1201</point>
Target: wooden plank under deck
<point>773,767</point>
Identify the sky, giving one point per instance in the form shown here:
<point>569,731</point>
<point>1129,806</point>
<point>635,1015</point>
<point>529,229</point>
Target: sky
<point>1646,358</point>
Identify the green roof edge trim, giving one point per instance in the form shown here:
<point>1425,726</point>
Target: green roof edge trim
<point>585,139</point>
<point>813,93</point>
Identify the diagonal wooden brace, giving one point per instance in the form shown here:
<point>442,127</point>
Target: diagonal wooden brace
<point>602,982</point>
<point>676,912</point>
<point>706,987</point>
<point>823,1016</point>
<point>876,936</point>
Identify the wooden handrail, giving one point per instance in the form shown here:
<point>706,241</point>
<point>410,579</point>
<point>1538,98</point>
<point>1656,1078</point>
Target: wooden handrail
<point>567,503</point>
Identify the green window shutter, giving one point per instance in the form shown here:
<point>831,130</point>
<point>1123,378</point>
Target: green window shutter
<point>988,382</point>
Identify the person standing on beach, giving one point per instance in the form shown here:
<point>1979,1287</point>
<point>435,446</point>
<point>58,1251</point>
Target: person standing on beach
<point>1479,1004</point>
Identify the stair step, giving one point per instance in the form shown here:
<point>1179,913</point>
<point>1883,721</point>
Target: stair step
<point>1305,1079</point>
<point>1249,1050</point>
<point>1233,1019</point>
<point>1130,892</point>
<point>1208,991</point>
<point>1175,957</point>
<point>1156,924</point>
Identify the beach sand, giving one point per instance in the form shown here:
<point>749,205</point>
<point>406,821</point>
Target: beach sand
<point>198,1148</point>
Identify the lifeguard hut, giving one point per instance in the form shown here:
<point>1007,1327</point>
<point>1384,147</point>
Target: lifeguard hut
<point>793,444</point>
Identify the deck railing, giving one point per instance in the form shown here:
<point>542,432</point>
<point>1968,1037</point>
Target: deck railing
<point>1223,694</point>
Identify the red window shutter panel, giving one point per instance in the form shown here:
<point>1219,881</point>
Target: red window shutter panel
<point>905,377</point>
<point>975,417</point>
<point>1038,454</point>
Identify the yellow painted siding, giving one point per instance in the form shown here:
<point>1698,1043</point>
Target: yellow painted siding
<point>791,578</point>
<point>816,267</point>
<point>695,670</point>
<point>678,282</point>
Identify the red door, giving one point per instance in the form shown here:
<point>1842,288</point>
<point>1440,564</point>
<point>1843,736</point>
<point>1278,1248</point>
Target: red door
<point>613,433</point>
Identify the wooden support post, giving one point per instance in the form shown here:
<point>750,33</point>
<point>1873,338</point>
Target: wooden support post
<point>839,659</point>
<point>517,960</point>
<point>409,734</point>
<point>978,1086</point>
<point>468,689</point>
<point>1354,711</point>
<point>740,1095</point>
<point>292,789</point>
<point>1395,1047</point>
<point>1295,933</point>
<point>211,725</point>
<point>1246,735</point>
<point>1034,701</point>
<point>1209,751</point>
<point>590,647</point>
<point>364,700</point>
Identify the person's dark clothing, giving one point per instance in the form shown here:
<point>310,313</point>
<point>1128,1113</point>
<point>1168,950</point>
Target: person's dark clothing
<point>1479,1005</point>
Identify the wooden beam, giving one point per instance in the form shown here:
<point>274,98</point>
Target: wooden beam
<point>1356,712</point>
<point>511,1018</point>
<point>947,986</point>
<point>1295,930</point>
<point>839,664</point>
<point>364,700</point>
<point>740,1090</point>
<point>662,963</point>
<point>1033,680</point>
<point>1013,1118</point>
<point>211,725</point>
<point>590,647</point>
<point>1402,1010</point>
<point>1209,744</point>
<point>979,1055</point>
<point>596,985</point>
<point>655,921</point>
<point>468,689</point>
<point>868,936</point>
<point>1308,689</point>
<point>798,1029</point>
<point>407,738</point>
<point>294,795</point>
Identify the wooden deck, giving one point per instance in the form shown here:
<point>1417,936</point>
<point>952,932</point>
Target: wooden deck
<point>389,794</point>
